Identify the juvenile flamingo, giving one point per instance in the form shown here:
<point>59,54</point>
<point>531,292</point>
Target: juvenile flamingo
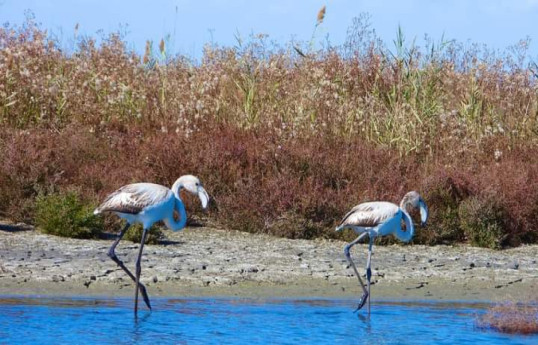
<point>380,218</point>
<point>147,203</point>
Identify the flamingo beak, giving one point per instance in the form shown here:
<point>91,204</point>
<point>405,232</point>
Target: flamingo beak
<point>423,212</point>
<point>204,197</point>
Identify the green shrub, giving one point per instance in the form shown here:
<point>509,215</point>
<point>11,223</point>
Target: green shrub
<point>483,220</point>
<point>134,234</point>
<point>66,215</point>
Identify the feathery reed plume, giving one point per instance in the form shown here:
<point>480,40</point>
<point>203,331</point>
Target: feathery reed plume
<point>147,52</point>
<point>320,18</point>
<point>161,46</point>
<point>321,15</point>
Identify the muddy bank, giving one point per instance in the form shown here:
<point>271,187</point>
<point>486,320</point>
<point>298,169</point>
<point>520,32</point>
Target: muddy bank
<point>214,262</point>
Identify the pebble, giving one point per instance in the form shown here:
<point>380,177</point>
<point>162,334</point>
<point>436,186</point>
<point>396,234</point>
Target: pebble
<point>57,278</point>
<point>265,259</point>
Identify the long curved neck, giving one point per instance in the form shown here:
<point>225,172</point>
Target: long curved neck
<point>176,187</point>
<point>406,235</point>
<point>171,222</point>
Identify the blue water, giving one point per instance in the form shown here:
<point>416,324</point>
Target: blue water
<point>241,321</point>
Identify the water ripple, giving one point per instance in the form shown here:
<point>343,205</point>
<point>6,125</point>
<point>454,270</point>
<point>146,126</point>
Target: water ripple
<point>39,320</point>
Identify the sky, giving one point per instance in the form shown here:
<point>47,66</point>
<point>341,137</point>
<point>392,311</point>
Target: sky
<point>193,23</point>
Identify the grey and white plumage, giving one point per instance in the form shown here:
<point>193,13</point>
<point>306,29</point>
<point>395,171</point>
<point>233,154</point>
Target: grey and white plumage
<point>381,218</point>
<point>147,203</point>
<point>134,198</point>
<point>368,214</point>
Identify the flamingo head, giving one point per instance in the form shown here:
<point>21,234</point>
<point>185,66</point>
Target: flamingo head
<point>414,201</point>
<point>193,185</point>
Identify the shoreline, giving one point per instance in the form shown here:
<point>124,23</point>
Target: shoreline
<point>208,262</point>
<point>409,291</point>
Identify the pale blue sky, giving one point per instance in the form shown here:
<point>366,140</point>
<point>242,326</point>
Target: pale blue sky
<point>498,23</point>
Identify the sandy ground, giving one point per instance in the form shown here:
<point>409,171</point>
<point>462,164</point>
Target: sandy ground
<point>215,262</point>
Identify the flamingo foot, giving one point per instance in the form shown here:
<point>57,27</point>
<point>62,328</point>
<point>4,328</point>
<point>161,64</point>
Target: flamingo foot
<point>362,301</point>
<point>145,296</point>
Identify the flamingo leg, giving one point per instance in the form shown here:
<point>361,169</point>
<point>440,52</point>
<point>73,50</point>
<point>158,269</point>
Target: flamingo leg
<point>347,253</point>
<point>369,271</point>
<point>112,254</point>
<point>138,268</point>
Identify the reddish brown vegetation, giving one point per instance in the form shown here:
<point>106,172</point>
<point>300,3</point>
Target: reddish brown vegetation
<point>512,318</point>
<point>285,144</point>
<point>299,188</point>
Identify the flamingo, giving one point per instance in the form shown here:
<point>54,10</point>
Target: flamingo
<point>147,203</point>
<point>380,218</point>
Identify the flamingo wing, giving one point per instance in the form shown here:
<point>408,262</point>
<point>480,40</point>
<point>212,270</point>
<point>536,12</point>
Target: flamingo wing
<point>134,198</point>
<point>369,214</point>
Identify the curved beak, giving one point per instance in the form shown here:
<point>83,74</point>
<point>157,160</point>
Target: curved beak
<point>204,197</point>
<point>423,212</point>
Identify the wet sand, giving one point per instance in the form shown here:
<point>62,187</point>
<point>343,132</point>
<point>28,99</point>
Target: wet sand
<point>215,262</point>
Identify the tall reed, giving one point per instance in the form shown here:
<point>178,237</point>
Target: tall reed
<point>287,142</point>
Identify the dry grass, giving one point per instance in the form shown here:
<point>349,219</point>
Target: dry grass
<point>520,318</point>
<point>285,142</point>
<point>443,99</point>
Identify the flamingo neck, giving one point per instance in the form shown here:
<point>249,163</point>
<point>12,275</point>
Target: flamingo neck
<point>171,222</point>
<point>403,204</point>
<point>407,235</point>
<point>176,187</point>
